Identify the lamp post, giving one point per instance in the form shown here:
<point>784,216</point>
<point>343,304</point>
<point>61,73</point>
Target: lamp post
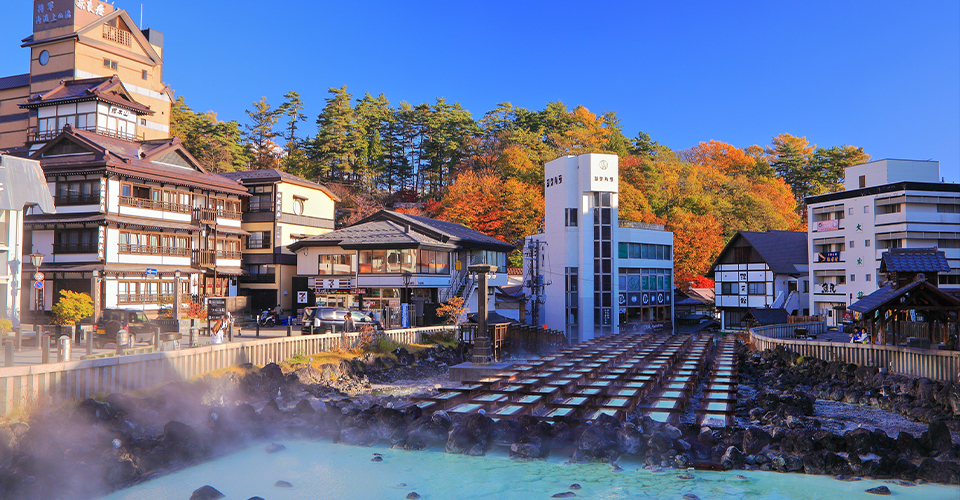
<point>37,260</point>
<point>176,295</point>
<point>406,291</point>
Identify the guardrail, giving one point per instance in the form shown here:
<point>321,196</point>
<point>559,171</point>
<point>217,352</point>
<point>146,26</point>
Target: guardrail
<point>23,386</point>
<point>907,361</point>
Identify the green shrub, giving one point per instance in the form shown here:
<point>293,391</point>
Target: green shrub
<point>381,345</point>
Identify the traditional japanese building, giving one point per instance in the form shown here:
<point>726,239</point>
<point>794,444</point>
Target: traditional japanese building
<point>761,270</point>
<point>78,40</point>
<point>389,259</point>
<point>281,209</point>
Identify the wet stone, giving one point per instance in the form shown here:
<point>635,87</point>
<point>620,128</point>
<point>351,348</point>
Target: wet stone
<point>901,482</point>
<point>376,459</point>
<point>879,490</point>
<point>565,494</point>
<point>206,492</point>
<point>575,486</point>
<point>690,496</point>
<point>283,484</point>
<point>274,448</point>
<point>685,475</point>
<point>413,495</point>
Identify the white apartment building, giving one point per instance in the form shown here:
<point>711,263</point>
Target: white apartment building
<point>885,204</point>
<point>590,273</point>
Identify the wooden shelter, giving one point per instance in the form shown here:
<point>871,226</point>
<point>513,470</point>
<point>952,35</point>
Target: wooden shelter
<point>893,314</point>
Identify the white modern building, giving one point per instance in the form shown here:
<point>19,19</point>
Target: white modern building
<point>761,270</point>
<point>885,204</point>
<point>22,185</point>
<point>590,273</point>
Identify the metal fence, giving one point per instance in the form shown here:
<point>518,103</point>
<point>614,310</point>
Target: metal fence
<point>911,362</point>
<point>23,386</point>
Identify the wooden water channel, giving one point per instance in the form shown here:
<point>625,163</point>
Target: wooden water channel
<point>656,375</point>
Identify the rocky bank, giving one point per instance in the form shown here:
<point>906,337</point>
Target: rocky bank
<point>97,446</point>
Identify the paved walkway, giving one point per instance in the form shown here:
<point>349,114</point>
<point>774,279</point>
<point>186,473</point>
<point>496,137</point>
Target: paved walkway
<point>30,353</point>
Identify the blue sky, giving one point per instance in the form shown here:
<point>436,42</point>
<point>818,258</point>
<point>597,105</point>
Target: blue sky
<point>881,75</point>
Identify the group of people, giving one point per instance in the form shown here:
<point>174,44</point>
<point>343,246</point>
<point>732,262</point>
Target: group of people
<point>860,336</point>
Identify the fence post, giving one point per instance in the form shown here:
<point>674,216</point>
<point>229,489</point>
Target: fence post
<point>258,328</point>
<point>45,348</point>
<point>289,330</point>
<point>8,353</point>
<point>194,332</point>
<point>89,341</point>
<point>18,337</point>
<point>156,339</point>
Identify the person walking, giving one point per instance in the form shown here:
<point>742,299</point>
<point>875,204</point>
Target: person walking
<point>348,324</point>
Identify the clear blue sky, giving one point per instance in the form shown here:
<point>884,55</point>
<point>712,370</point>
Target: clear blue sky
<point>882,75</point>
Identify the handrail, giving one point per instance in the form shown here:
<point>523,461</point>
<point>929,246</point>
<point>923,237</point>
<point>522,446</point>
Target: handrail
<point>911,362</point>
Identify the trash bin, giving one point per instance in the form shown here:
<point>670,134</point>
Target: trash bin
<point>800,333</point>
<point>64,347</point>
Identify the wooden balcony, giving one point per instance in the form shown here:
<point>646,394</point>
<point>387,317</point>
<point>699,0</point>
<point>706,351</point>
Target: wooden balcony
<point>203,258</point>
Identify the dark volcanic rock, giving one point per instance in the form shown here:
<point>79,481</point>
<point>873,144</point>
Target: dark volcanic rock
<point>939,472</point>
<point>732,459</point>
<point>505,431</point>
<point>879,490</point>
<point>937,438</point>
<point>596,444</point>
<point>356,436</point>
<point>755,439</point>
<point>206,493</point>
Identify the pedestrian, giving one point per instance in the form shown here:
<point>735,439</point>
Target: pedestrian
<point>348,325</point>
<point>855,336</point>
<point>216,334</point>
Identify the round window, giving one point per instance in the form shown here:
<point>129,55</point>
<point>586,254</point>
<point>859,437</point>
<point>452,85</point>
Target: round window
<point>44,58</point>
<point>298,207</point>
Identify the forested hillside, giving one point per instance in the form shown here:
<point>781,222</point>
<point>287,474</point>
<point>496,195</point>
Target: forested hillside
<point>438,160</point>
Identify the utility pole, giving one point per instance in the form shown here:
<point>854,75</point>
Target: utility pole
<point>534,279</point>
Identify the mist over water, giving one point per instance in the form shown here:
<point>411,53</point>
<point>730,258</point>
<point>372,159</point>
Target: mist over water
<point>321,469</point>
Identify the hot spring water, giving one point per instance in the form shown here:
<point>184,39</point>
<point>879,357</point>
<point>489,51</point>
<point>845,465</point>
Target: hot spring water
<point>324,470</point>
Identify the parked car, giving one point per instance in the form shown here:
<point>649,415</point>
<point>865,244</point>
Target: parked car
<point>136,323</point>
<point>331,319</point>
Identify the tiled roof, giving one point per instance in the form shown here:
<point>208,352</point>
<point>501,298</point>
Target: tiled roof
<point>914,260</point>
<point>10,82</point>
<point>766,316</point>
<point>108,89</point>
<point>274,175</point>
<point>454,230</point>
<point>386,228</point>
<point>781,250</point>
<point>887,294</point>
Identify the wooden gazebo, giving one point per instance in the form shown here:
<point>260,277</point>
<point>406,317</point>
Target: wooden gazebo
<point>916,310</point>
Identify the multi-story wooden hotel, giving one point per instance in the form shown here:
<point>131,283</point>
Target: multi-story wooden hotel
<point>139,223</point>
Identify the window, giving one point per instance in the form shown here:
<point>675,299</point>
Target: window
<point>866,209</point>
<point>572,296</point>
<point>890,209</point>
<point>570,217</point>
<point>298,205</point>
<point>863,181</point>
<point>143,74</point>
<point>78,192</point>
<point>851,211</point>
<point>143,121</point>
<point>261,199</point>
<point>727,288</point>
<point>851,244</point>
<point>867,278</point>
<point>76,241</point>
<point>791,286</point>
<point>949,279</point>
<point>891,244</point>
<point>756,288</point>
<point>948,209</point>
<point>258,240</point>
<point>806,286</point>
<point>110,64</point>
<point>336,264</point>
<point>948,243</point>
<point>853,277</point>
<point>643,251</point>
<point>866,243</point>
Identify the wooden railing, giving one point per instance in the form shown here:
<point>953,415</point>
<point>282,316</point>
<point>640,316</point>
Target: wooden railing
<point>203,258</point>
<point>152,250</point>
<point>929,363</point>
<point>22,386</point>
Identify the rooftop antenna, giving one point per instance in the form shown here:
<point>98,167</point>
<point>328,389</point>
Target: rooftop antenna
<point>141,17</point>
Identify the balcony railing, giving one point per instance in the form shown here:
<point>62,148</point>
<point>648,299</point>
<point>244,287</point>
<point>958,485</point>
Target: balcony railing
<point>132,201</point>
<point>259,278</point>
<point>228,214</point>
<point>228,254</point>
<point>204,214</point>
<point>46,135</point>
<point>150,298</point>
<point>203,258</point>
<point>640,225</point>
<point>77,199</point>
<point>75,248</point>
<point>115,34</point>
<point>152,250</point>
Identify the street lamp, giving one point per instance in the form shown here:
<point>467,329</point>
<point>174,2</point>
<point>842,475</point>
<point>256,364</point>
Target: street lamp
<point>406,291</point>
<point>37,260</point>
